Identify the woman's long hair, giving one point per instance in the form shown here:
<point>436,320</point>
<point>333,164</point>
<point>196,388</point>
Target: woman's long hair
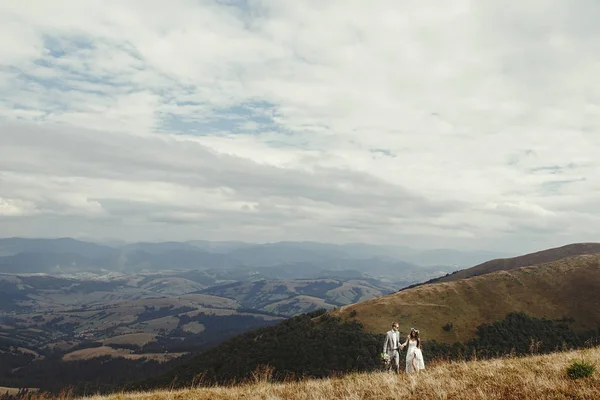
<point>414,334</point>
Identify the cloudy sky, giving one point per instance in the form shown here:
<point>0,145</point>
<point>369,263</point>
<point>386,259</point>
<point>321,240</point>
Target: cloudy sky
<point>468,124</point>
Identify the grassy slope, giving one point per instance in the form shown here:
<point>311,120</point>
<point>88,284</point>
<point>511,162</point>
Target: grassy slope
<point>538,377</point>
<point>540,257</point>
<point>567,287</point>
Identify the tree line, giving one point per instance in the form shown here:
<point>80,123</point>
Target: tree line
<point>318,345</point>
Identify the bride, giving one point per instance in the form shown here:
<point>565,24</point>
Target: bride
<point>414,355</point>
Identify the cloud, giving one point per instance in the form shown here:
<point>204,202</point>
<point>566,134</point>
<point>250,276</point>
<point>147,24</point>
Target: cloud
<point>16,208</point>
<point>469,124</point>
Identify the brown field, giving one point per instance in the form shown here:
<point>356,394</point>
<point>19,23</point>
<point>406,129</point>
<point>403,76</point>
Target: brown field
<point>194,327</point>
<point>528,378</point>
<point>86,354</point>
<point>139,339</point>
<point>567,287</point>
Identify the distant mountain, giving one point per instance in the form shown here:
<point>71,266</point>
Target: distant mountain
<point>449,257</point>
<point>219,247</point>
<point>242,261</point>
<point>113,260</point>
<point>284,252</point>
<point>69,255</point>
<point>13,246</point>
<point>174,259</point>
<point>27,263</point>
<point>158,248</point>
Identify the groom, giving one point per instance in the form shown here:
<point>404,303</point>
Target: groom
<point>391,346</point>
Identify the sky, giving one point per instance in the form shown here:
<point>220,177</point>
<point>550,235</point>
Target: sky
<point>457,124</point>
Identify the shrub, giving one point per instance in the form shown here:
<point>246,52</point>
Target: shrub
<point>580,369</point>
<point>448,327</point>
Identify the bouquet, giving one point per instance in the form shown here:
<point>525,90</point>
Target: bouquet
<point>385,358</point>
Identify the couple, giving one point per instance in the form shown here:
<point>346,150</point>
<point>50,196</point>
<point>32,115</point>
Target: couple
<point>414,355</point>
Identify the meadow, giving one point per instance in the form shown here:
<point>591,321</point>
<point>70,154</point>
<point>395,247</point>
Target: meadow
<point>524,378</point>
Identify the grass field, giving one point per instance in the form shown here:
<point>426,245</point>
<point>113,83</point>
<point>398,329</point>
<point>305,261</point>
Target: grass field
<point>554,290</point>
<point>527,378</point>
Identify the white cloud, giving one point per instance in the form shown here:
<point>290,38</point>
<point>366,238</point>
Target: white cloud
<point>16,208</point>
<point>457,123</point>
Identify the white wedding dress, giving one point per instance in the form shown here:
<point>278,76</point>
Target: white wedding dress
<point>414,352</point>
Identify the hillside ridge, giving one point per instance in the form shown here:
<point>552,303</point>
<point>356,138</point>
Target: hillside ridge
<point>562,288</point>
<point>507,264</point>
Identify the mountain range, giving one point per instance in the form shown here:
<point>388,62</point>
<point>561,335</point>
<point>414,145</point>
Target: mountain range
<point>19,255</point>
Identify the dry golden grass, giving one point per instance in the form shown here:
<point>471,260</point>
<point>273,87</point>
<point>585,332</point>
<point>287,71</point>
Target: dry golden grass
<point>537,258</point>
<point>567,287</point>
<point>537,377</point>
<point>8,390</point>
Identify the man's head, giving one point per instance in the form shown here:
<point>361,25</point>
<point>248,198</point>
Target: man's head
<point>395,327</point>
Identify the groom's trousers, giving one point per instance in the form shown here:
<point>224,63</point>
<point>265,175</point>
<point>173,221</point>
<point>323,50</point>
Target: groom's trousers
<point>395,361</point>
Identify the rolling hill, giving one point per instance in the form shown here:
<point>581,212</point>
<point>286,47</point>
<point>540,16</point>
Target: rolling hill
<point>565,288</point>
<point>507,264</point>
<point>289,297</point>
